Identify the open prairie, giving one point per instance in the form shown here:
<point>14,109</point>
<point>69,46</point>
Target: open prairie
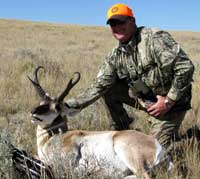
<point>63,49</point>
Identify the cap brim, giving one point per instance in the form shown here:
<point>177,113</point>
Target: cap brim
<point>117,17</point>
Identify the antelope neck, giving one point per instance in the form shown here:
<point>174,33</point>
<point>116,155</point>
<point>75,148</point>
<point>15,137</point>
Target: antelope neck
<point>58,126</point>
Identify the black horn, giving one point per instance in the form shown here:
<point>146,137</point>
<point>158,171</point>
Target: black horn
<point>37,85</point>
<point>73,81</point>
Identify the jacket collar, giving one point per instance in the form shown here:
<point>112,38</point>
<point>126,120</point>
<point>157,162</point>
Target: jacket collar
<point>132,44</point>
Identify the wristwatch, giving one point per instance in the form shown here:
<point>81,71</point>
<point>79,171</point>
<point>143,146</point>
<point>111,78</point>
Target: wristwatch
<point>168,103</point>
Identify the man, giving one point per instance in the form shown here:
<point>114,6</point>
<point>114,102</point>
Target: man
<point>147,70</point>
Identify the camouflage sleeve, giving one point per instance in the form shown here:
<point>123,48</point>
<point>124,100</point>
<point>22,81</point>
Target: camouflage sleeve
<point>105,78</point>
<point>172,61</point>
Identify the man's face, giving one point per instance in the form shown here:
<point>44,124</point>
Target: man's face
<point>122,30</point>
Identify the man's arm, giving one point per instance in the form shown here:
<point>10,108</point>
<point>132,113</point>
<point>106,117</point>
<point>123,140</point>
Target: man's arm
<point>173,59</point>
<point>173,62</point>
<point>104,80</point>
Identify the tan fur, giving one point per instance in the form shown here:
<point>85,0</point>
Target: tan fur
<point>135,149</point>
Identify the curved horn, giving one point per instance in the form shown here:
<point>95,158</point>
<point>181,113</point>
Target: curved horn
<point>73,81</point>
<point>37,85</point>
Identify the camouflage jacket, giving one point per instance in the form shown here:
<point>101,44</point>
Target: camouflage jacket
<point>154,57</point>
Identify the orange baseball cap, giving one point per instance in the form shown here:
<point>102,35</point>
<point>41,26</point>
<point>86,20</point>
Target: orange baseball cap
<point>120,12</point>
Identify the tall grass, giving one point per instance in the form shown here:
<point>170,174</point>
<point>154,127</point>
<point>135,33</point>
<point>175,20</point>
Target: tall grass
<point>62,50</point>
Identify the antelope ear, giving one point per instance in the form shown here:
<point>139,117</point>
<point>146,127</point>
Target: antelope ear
<point>69,111</point>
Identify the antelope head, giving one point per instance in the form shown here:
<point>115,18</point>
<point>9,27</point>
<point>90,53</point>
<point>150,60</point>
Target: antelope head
<point>50,108</point>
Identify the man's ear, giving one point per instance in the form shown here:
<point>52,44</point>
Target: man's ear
<point>134,21</point>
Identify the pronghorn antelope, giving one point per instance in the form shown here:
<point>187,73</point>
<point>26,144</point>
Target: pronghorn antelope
<point>127,153</point>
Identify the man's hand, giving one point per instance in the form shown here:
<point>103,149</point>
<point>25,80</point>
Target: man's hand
<point>160,108</point>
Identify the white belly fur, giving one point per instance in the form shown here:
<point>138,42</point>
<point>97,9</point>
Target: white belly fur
<point>99,150</point>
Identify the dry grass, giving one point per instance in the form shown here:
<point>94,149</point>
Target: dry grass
<point>63,49</point>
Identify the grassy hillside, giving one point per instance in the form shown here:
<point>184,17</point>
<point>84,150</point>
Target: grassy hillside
<point>62,50</point>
